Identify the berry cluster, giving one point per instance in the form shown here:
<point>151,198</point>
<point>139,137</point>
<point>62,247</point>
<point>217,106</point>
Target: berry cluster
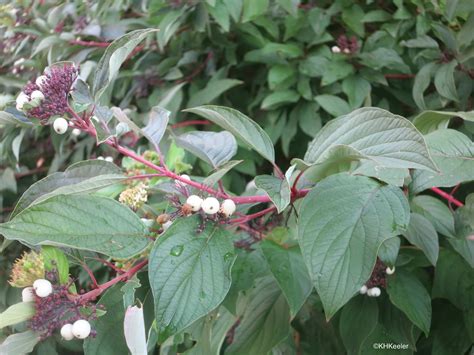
<point>56,309</point>
<point>48,95</point>
<point>377,280</point>
<point>211,205</point>
<point>346,45</point>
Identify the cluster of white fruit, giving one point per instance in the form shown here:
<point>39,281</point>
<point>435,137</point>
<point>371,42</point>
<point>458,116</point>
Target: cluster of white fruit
<point>80,330</point>
<point>33,100</point>
<point>41,287</point>
<point>336,49</point>
<point>371,292</point>
<point>211,205</point>
<point>108,158</point>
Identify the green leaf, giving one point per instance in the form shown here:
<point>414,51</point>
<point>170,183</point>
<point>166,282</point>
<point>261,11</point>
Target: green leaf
<point>291,6</point>
<point>253,9</point>
<point>430,121</point>
<point>240,126</point>
<point>464,225</point>
<point>384,58</point>
<point>169,25</point>
<point>421,233</point>
<point>358,319</point>
<point>444,81</point>
<point>20,343</point>
<point>454,280</point>
<point>265,319</point>
<point>409,295</point>
<point>189,273</point>
<point>335,71</point>
<point>17,313</point>
<point>134,330</point>
<point>352,17</point>
<point>436,212</point>
<point>81,93</point>
<point>215,148</point>
<point>423,41</point>
<point>356,89</point>
<point>422,82</point>
<point>85,176</point>
<point>277,189</point>
<point>219,173</point>
<point>158,119</point>
<point>110,333</point>
<point>279,98</point>
<point>212,91</point>
<point>82,222</point>
<point>391,176</point>
<point>281,76</point>
<point>376,134</point>
<point>115,54</point>
<point>333,105</point>
<point>453,153</point>
<point>343,221</point>
<point>388,251</point>
<point>289,270</point>
<point>55,259</point>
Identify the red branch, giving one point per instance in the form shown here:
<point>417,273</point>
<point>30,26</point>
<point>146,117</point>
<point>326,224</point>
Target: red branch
<point>447,196</point>
<point>92,295</point>
<point>399,76</point>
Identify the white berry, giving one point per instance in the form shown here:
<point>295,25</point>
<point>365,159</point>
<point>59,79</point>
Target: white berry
<point>100,158</point>
<point>76,132</point>
<point>37,95</point>
<point>60,125</point>
<point>336,49</point>
<point>373,292</point>
<point>21,100</point>
<point>390,270</point>
<point>81,329</point>
<point>210,205</point>
<point>147,222</point>
<point>109,159</point>
<point>166,225</point>
<point>347,51</point>
<point>228,207</point>
<point>40,80</point>
<point>195,202</point>
<point>66,332</point>
<point>363,290</point>
<point>27,294</point>
<point>43,288</point>
<point>180,183</point>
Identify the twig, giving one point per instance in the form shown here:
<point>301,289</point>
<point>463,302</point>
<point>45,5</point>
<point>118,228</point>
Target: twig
<point>447,196</point>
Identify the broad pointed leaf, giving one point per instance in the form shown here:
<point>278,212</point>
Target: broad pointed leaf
<point>277,189</point>
<point>421,233</point>
<point>82,222</point>
<point>430,121</point>
<point>240,126</point>
<point>343,221</point>
<point>189,273</point>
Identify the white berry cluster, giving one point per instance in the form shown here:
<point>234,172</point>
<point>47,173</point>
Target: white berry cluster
<point>41,288</point>
<point>371,292</point>
<point>337,49</point>
<point>24,101</point>
<point>211,205</point>
<point>80,329</point>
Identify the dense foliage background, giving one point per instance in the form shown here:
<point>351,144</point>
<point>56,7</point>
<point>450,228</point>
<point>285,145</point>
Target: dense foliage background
<point>275,62</point>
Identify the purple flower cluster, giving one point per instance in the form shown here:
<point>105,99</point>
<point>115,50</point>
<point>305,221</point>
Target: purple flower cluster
<point>56,83</point>
<point>379,276</point>
<point>347,45</point>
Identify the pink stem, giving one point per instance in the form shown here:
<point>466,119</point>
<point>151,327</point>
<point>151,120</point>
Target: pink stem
<point>447,196</point>
<point>253,216</point>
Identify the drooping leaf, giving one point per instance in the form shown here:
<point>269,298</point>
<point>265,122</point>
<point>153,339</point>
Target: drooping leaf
<point>453,153</point>
<point>55,259</point>
<point>358,319</point>
<point>289,270</point>
<point>115,54</point>
<point>421,233</point>
<point>436,212</point>
<point>82,177</point>
<point>110,327</point>
<point>189,273</point>
<point>240,126</point>
<point>20,343</point>
<point>430,121</point>
<point>82,222</point>
<point>157,122</point>
<point>444,80</point>
<point>212,91</point>
<point>409,295</point>
<point>17,313</point>
<point>277,189</point>
<point>422,82</point>
<point>215,148</point>
<point>334,105</point>
<point>390,140</point>
<point>134,330</point>
<point>464,226</point>
<point>343,221</point>
<point>265,319</point>
<point>388,251</point>
<point>219,173</point>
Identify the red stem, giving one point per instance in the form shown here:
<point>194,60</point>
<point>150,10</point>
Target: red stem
<point>92,295</point>
<point>399,76</point>
<point>447,196</point>
<point>253,216</point>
